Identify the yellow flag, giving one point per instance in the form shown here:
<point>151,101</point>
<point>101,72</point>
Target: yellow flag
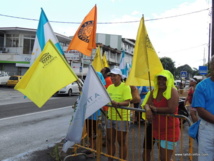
<point>97,62</point>
<point>48,74</point>
<point>145,60</point>
<point>105,61</point>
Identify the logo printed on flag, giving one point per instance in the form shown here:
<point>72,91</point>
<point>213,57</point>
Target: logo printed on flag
<point>84,39</point>
<point>85,31</point>
<point>50,66</point>
<point>145,58</point>
<point>146,54</point>
<point>46,59</point>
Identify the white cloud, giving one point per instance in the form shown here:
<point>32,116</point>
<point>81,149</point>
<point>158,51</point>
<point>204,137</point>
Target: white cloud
<point>182,38</point>
<point>172,37</point>
<point>127,30</point>
<point>135,13</point>
<point>116,0</point>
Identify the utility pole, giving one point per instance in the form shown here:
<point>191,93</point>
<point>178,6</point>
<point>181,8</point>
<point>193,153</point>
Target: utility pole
<point>212,35</point>
<point>204,59</point>
<point>208,59</point>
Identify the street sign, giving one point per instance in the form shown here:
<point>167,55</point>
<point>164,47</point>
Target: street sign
<point>203,70</point>
<point>183,74</point>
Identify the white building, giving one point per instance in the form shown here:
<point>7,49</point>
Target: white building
<point>16,46</point>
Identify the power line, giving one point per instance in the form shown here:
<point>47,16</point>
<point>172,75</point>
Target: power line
<point>189,48</point>
<point>178,15</point>
<point>31,19</point>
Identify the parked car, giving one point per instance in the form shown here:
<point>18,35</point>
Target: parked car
<point>70,89</point>
<point>13,80</point>
<point>4,77</point>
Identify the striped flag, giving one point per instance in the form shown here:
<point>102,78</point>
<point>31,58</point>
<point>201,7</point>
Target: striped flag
<point>43,34</point>
<point>123,65</point>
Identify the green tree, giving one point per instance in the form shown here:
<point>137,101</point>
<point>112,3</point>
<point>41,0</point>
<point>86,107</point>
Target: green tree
<point>186,68</point>
<point>195,72</point>
<point>168,64</point>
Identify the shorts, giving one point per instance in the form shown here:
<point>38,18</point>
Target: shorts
<point>167,144</point>
<point>205,141</point>
<point>118,125</point>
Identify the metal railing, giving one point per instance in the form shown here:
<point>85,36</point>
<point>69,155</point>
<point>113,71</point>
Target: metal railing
<point>95,144</point>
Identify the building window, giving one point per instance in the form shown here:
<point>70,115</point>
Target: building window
<point>28,43</point>
<point>1,41</point>
<point>28,46</point>
<point>113,56</point>
<point>12,40</point>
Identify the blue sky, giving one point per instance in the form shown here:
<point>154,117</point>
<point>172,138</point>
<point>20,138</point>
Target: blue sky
<point>184,39</point>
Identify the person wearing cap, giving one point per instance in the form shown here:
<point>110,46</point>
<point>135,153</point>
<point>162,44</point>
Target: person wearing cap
<point>163,99</point>
<point>203,101</point>
<point>105,72</point>
<point>118,119</point>
<point>193,112</point>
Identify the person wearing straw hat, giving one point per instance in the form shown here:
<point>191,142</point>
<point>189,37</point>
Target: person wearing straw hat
<point>118,119</point>
<point>164,100</point>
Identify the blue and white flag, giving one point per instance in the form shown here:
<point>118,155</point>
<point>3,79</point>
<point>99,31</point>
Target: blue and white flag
<point>94,96</point>
<point>123,65</point>
<point>43,34</point>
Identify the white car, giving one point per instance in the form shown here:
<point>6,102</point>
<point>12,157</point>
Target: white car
<point>71,89</point>
<point>4,77</point>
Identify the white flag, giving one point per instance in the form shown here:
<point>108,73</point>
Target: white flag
<point>43,34</point>
<point>94,96</point>
<point>123,65</point>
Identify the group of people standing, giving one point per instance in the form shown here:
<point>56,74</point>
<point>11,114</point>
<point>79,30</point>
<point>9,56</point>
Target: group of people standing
<point>163,99</point>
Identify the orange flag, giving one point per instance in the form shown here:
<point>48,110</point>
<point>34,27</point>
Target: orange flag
<point>84,39</point>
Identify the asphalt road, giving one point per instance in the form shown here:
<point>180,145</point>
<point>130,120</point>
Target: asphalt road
<point>29,107</point>
<point>26,128</point>
<point>13,103</point>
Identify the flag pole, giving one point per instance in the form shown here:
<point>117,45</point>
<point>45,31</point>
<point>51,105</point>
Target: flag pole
<point>81,63</point>
<point>212,31</point>
<point>147,58</point>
